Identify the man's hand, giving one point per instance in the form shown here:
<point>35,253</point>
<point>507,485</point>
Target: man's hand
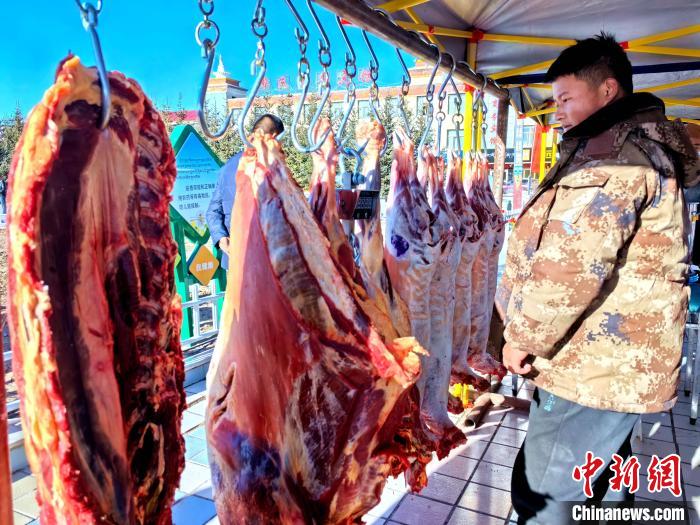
<point>514,360</point>
<point>224,244</point>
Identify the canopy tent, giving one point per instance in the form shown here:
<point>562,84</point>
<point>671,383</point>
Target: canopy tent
<point>514,42</point>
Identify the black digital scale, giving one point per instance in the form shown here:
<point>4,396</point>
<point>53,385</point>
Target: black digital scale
<point>356,204</point>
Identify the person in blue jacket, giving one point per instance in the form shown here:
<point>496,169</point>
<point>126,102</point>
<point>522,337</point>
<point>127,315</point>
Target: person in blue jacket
<point>221,205</point>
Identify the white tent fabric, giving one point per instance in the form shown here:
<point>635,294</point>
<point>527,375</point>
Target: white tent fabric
<point>625,19</point>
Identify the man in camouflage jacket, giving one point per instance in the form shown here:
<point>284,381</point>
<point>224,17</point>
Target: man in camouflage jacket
<point>594,294</point>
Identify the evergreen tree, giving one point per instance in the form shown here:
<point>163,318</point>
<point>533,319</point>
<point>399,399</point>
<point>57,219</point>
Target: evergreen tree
<point>10,131</point>
<point>388,117</point>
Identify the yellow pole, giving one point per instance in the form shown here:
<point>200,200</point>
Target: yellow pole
<point>543,152</point>
<point>667,35</point>
<point>397,5</point>
<point>433,30</point>
<point>416,19</point>
<point>695,102</point>
<point>467,126</point>
<point>524,69</point>
<point>540,112</point>
<point>672,85</point>
<point>659,50</point>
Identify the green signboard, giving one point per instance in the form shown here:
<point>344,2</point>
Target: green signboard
<point>197,173</point>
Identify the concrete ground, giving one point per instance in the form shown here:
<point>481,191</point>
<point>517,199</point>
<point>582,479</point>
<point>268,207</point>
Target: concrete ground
<point>471,486</point>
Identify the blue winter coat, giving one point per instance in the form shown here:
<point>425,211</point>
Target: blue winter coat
<point>221,205</point>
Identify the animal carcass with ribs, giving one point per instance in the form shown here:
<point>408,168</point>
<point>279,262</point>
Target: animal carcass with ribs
<point>485,267</point>
<point>417,263</point>
<point>301,418</point>
<point>467,230</point>
<point>94,318</point>
<point>371,133</point>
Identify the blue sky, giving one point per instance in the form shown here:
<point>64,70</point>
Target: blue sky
<point>154,43</point>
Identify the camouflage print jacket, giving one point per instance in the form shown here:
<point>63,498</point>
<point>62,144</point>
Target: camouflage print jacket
<point>596,266</point>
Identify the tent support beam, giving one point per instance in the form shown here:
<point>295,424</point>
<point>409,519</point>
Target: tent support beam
<point>673,67</point>
<point>398,5</point>
<point>638,45</point>
<point>364,17</point>
<point>412,14</point>
<point>673,85</point>
<point>532,106</point>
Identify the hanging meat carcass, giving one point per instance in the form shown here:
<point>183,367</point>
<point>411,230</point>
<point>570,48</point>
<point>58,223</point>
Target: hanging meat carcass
<point>482,273</point>
<point>301,419</point>
<point>467,228</point>
<point>94,319</point>
<point>498,224</point>
<point>413,250</point>
<point>404,427</point>
<point>322,197</point>
<point>371,133</point>
<point>436,374</point>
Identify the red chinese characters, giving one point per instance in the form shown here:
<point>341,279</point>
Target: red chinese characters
<point>665,474</point>
<point>625,474</point>
<point>662,473</point>
<point>587,472</point>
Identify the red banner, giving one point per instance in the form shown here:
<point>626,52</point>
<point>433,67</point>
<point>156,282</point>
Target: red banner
<point>282,82</point>
<point>342,78</point>
<point>365,76</point>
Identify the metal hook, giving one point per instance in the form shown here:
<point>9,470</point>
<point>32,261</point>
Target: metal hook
<point>374,90</point>
<point>351,71</point>
<point>475,109</point>
<point>302,34</point>
<point>208,51</point>
<point>405,87</point>
<point>262,69</point>
<point>406,78</point>
<point>374,73</point>
<point>429,96</point>
<point>324,57</point>
<point>356,177</point>
<point>89,13</point>
<point>259,64</point>
<point>324,45</point>
<point>448,76</point>
<point>442,94</point>
<point>457,118</point>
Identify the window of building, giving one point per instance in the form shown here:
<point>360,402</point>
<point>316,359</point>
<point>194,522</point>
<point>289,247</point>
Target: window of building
<point>421,103</point>
<point>337,110</point>
<point>363,109</point>
<point>394,106</point>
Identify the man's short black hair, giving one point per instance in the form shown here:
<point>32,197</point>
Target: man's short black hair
<point>269,124</point>
<point>594,60</point>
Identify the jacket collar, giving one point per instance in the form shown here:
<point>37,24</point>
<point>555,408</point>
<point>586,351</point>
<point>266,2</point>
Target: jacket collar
<point>614,113</point>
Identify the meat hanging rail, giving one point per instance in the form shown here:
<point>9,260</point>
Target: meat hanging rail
<point>360,14</point>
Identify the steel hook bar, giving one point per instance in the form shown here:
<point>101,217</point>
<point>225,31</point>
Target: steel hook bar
<point>89,14</point>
